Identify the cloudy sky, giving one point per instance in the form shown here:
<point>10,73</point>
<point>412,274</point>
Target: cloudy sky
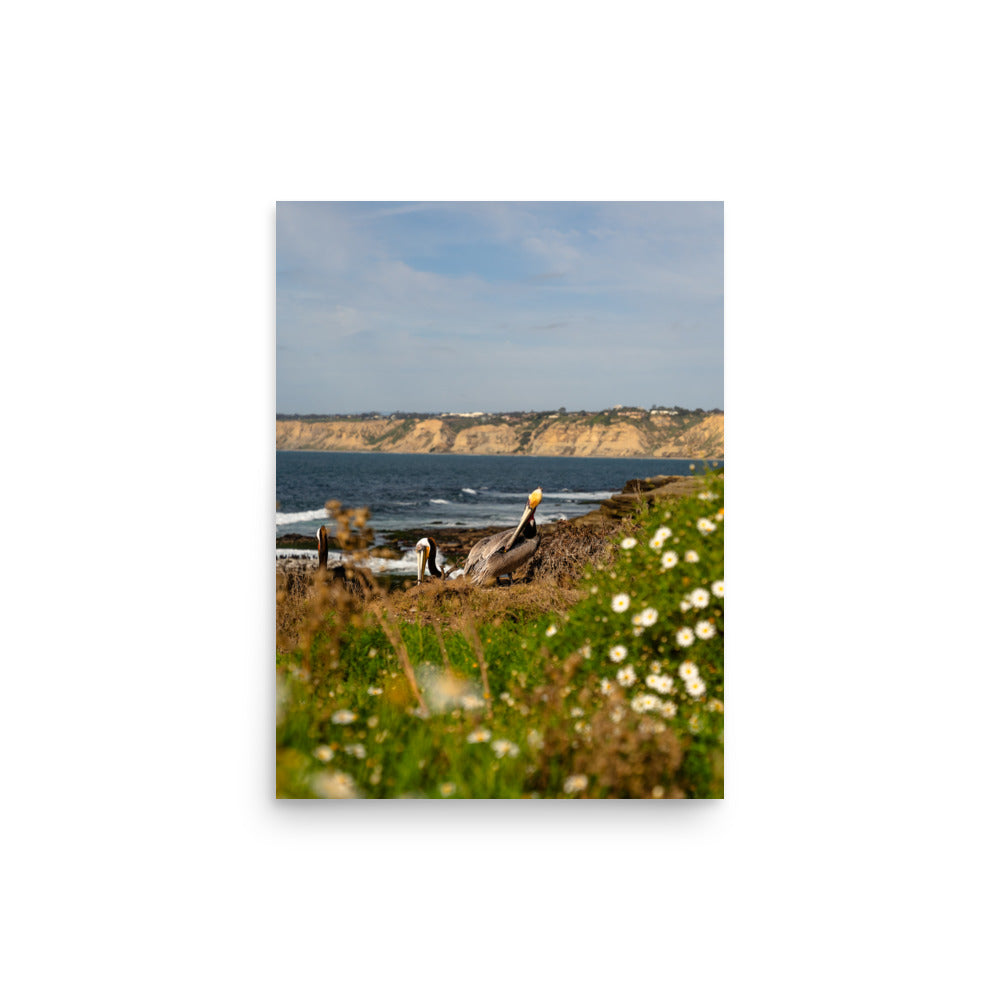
<point>494,306</point>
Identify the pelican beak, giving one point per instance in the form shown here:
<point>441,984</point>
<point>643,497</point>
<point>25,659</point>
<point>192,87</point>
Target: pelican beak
<point>529,509</point>
<point>421,564</point>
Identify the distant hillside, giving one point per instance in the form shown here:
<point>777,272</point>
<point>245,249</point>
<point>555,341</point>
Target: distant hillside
<point>619,433</point>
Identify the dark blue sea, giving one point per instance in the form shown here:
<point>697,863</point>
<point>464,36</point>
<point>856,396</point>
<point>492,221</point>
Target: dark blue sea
<point>420,493</point>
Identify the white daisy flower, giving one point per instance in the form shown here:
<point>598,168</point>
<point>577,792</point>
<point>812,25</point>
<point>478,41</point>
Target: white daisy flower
<point>669,559</point>
<point>620,602</point>
<point>668,710</point>
<point>662,534</point>
<point>626,677</point>
<point>714,705</point>
<point>719,516</point>
<point>356,750</point>
<point>585,650</point>
<point>575,783</point>
<point>616,714</point>
<point>691,556</point>
<point>700,597</point>
<point>687,671</point>
<point>628,543</point>
<point>504,748</point>
<point>685,637</point>
<point>660,682</point>
<point>695,686</point>
<point>656,666</point>
<point>645,703</point>
<point>637,619</point>
<point>637,631</point>
<point>576,712</point>
<point>648,617</point>
<point>478,736</point>
<point>373,691</point>
<point>470,702</point>
<point>334,786</point>
<point>685,605</point>
<point>617,654</point>
<point>323,753</point>
<point>719,588</point>
<point>708,495</point>
<point>343,717</point>
<point>704,630</point>
<point>607,686</point>
<point>705,525</point>
<point>551,630</point>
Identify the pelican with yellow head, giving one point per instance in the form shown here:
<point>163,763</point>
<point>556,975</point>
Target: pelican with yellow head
<point>506,551</point>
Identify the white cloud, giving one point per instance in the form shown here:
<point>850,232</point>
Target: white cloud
<point>516,305</point>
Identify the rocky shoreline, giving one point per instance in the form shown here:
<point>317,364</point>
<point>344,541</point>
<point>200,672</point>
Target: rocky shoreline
<point>454,543</point>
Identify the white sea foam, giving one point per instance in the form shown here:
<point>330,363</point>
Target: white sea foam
<point>293,517</point>
<point>465,489</point>
<point>603,495</point>
<point>406,564</point>
<point>440,501</point>
<point>554,497</point>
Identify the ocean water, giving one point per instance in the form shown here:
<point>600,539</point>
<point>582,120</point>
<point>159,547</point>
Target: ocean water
<point>419,493</point>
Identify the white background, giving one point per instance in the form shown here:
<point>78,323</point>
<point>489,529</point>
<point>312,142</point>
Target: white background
<point>854,854</point>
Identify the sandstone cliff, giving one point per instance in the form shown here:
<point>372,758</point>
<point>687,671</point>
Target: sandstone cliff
<point>608,434</point>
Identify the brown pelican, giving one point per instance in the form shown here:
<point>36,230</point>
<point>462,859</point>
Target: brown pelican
<point>427,559</point>
<point>353,580</point>
<point>502,553</point>
<point>323,543</point>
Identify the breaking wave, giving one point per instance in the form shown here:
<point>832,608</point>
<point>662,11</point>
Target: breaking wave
<point>293,517</point>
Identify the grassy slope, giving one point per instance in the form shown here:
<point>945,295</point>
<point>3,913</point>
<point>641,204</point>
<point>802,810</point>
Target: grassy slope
<point>547,648</point>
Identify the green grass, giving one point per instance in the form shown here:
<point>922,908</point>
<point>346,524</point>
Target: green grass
<point>349,722</point>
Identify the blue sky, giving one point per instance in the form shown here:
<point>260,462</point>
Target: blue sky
<point>493,306</point>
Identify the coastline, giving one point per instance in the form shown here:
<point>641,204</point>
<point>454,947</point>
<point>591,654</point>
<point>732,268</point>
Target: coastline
<point>512,454</point>
<point>295,550</point>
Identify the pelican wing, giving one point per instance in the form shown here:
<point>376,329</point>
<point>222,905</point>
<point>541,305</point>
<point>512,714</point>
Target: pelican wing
<point>491,561</point>
<point>481,551</point>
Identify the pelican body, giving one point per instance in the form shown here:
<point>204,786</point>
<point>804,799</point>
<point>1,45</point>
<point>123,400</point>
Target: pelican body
<point>427,559</point>
<point>506,551</point>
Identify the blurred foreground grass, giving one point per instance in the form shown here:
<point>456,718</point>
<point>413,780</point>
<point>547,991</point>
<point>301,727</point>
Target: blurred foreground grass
<point>608,685</point>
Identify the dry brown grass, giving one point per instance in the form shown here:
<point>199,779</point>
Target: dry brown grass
<point>548,583</point>
<point>449,602</point>
<point>567,547</point>
<point>304,598</point>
